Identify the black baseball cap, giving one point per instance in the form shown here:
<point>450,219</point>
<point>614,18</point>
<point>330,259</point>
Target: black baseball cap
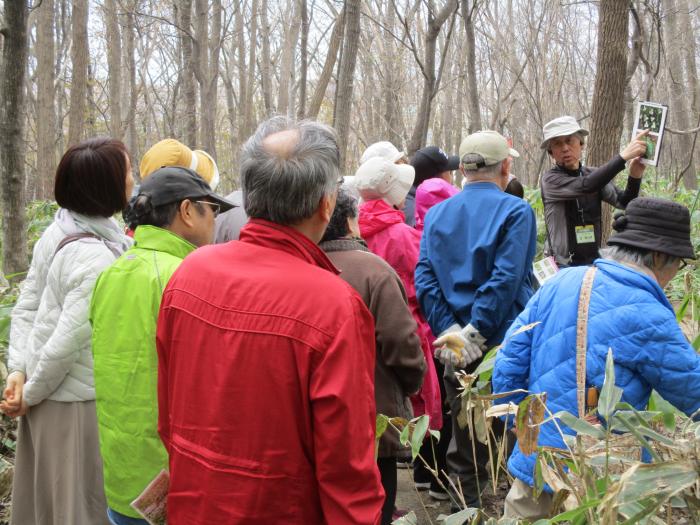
<point>174,183</point>
<point>431,161</point>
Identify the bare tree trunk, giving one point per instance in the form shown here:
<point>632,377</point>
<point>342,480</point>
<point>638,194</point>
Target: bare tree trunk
<point>343,108</point>
<point>328,65</point>
<point>287,67</point>
<point>189,90</point>
<point>114,65</point>
<point>242,72</point>
<point>691,69</point>
<point>250,88</point>
<point>435,23</point>
<point>608,108</point>
<point>132,141</point>
<point>682,158</point>
<point>304,44</point>
<point>468,14</point>
<point>12,146</point>
<point>207,69</point>
<point>46,116</point>
<point>79,76</point>
<point>391,84</point>
<point>265,69</point>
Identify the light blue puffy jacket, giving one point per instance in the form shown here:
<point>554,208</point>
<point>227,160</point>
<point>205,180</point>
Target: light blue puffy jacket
<point>628,313</point>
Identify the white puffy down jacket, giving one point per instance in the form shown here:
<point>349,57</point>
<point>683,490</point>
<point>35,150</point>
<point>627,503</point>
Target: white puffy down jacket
<point>50,333</point>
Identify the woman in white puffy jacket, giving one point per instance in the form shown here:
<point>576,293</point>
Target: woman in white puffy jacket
<point>58,469</point>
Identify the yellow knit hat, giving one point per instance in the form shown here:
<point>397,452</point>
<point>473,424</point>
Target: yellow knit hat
<point>170,152</point>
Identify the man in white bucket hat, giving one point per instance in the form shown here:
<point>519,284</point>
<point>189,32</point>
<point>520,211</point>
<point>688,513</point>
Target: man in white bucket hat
<point>572,193</point>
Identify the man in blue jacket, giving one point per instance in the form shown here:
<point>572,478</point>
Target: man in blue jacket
<point>628,313</point>
<point>473,278</point>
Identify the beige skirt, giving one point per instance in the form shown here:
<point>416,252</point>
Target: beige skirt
<point>58,468</point>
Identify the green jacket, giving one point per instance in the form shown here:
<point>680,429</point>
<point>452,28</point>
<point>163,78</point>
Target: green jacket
<point>123,314</point>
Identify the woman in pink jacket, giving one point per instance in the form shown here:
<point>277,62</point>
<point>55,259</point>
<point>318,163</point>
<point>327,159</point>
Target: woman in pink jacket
<point>383,187</point>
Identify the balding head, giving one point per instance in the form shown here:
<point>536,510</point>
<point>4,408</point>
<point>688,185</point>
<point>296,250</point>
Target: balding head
<point>287,167</point>
<point>282,143</point>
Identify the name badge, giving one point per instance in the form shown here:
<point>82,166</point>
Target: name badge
<point>585,234</point>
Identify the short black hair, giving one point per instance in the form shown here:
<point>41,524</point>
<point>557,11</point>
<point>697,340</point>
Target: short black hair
<point>345,208</point>
<point>91,178</point>
<point>140,212</point>
<point>515,188</point>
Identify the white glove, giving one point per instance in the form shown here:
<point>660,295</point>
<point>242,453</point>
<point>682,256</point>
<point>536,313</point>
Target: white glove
<point>459,347</point>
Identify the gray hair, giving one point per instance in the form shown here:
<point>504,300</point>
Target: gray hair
<point>288,189</point>
<point>487,172</point>
<point>637,256</point>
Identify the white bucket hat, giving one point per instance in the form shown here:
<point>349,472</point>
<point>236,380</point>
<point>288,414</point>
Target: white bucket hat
<point>561,127</point>
<point>382,179</point>
<point>385,150</point>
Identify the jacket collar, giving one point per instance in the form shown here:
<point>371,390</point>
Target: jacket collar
<point>157,239</point>
<point>285,238</point>
<point>630,276</point>
<point>344,245</point>
<point>377,215</point>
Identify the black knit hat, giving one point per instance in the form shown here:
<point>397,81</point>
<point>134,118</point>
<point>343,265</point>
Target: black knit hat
<point>654,224</point>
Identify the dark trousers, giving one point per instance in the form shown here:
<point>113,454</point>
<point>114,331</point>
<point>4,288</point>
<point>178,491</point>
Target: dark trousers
<point>473,476</point>
<point>420,473</point>
<point>387,471</point>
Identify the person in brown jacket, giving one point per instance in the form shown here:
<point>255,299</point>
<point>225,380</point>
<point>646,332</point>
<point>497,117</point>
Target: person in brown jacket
<point>400,365</point>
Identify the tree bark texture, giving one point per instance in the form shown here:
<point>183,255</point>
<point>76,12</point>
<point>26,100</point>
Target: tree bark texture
<point>341,120</point>
<point>114,65</point>
<point>468,14</point>
<point>132,141</point>
<point>287,66</point>
<point>681,146</point>
<point>304,52</point>
<point>12,146</point>
<point>328,65</point>
<point>266,79</point>
<point>189,90</point>
<point>250,83</point>
<point>79,76</point>
<point>46,115</point>
<point>608,96</point>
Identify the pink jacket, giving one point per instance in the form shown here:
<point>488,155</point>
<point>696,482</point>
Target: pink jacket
<point>430,193</point>
<point>386,234</point>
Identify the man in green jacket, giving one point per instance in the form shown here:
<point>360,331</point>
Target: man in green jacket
<point>174,213</point>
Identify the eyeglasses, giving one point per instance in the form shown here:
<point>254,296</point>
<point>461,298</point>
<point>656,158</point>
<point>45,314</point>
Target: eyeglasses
<point>215,206</point>
<point>683,264</point>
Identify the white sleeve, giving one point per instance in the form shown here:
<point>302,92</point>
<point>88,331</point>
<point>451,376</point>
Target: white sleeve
<point>72,332</point>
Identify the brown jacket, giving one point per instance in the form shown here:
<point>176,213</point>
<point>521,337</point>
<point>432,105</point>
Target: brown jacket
<point>400,365</point>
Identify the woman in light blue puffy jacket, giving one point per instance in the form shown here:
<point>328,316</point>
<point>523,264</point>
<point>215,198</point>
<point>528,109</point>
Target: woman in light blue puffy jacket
<point>628,313</point>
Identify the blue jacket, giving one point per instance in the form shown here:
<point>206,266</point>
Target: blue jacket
<point>629,313</point>
<point>475,261</point>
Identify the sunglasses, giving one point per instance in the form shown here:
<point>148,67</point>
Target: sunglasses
<point>215,206</point>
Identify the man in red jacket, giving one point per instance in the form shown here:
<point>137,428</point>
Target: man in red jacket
<point>266,357</point>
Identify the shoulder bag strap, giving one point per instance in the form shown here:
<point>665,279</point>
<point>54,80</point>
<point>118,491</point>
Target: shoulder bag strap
<point>74,237</point>
<point>584,301</point>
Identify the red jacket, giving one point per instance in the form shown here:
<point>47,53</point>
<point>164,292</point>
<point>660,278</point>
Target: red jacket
<point>266,386</point>
<point>387,235</point>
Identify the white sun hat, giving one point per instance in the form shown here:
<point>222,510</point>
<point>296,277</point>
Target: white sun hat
<point>378,178</point>
<point>385,150</point>
<point>561,127</point>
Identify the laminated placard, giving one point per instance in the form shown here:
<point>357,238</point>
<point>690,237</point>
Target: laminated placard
<point>651,117</point>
